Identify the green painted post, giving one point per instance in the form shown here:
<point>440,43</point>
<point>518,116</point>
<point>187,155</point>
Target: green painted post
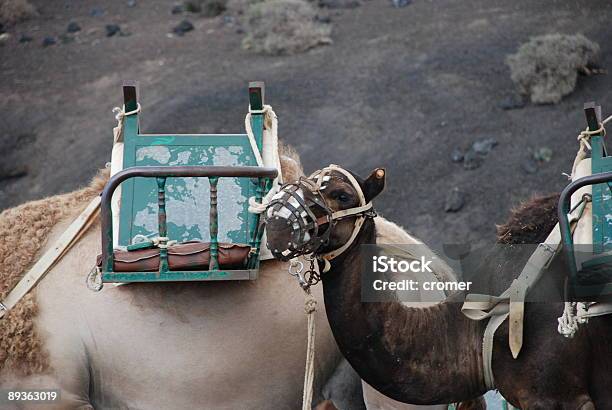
<point>598,153</point>
<point>256,103</point>
<point>130,103</point>
<point>255,229</point>
<point>110,261</point>
<point>162,225</point>
<point>214,225</point>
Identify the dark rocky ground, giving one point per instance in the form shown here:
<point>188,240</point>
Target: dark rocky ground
<point>399,88</point>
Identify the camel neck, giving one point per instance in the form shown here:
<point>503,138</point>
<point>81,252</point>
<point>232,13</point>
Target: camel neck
<point>429,355</point>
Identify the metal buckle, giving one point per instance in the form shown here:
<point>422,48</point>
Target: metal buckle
<point>3,307</point>
<point>370,213</point>
<point>548,248</point>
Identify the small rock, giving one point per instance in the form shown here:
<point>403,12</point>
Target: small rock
<point>484,146</point>
<point>112,29</point>
<point>455,200</point>
<point>73,27</point>
<point>177,9</point>
<point>4,37</point>
<point>530,166</point>
<point>49,41</point>
<point>131,3</point>
<point>213,8</point>
<point>339,4</point>
<point>24,38</point>
<point>193,6</point>
<point>457,155</point>
<point>472,160</point>
<point>182,28</point>
<point>323,19</point>
<point>96,12</point>
<point>543,154</point>
<point>512,102</point>
<point>401,3</point>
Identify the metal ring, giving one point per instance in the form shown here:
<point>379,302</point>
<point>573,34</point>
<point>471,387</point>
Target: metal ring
<point>299,269</point>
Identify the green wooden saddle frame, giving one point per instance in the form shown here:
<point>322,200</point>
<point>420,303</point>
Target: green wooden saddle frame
<point>601,181</point>
<point>162,173</point>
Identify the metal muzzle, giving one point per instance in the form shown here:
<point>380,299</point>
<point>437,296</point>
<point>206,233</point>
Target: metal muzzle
<point>298,220</point>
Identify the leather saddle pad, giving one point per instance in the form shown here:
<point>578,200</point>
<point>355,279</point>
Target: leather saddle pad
<point>186,256</point>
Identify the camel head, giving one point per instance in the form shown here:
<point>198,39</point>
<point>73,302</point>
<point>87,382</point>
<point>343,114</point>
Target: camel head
<point>320,214</point>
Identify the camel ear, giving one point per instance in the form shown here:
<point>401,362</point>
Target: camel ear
<point>374,184</point>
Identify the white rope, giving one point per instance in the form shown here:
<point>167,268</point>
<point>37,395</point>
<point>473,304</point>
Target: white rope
<point>310,307</point>
<point>568,322</point>
<point>584,139</point>
<point>258,208</point>
<point>120,115</point>
<point>249,130</point>
<point>574,314</point>
<point>272,121</point>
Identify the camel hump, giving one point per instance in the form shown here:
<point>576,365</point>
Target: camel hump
<point>530,222</point>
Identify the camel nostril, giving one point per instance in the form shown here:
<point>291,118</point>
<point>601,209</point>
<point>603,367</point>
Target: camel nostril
<point>279,232</point>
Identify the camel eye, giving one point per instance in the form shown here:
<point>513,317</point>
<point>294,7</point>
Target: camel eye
<point>342,197</point>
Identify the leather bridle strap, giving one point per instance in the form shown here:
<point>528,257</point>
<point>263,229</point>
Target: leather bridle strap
<point>358,211</point>
<point>352,211</point>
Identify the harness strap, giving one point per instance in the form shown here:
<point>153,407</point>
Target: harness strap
<point>511,303</point>
<point>363,207</point>
<point>594,310</point>
<point>74,232</point>
<point>352,211</point>
<point>487,349</point>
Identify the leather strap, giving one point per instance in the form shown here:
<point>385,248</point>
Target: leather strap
<point>594,310</point>
<point>352,211</point>
<point>74,232</point>
<point>363,207</point>
<point>487,349</point>
<point>511,303</point>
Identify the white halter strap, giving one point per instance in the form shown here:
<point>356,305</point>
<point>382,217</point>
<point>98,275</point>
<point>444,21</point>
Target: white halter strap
<point>363,207</point>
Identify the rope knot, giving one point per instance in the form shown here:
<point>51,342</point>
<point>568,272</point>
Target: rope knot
<point>310,305</point>
<point>120,112</point>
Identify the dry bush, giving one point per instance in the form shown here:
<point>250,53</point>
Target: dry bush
<point>546,67</point>
<point>12,11</point>
<point>277,27</point>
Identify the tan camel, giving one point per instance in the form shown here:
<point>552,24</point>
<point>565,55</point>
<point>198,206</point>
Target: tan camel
<point>232,345</point>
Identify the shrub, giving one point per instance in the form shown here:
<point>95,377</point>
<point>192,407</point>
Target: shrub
<point>283,27</point>
<point>13,11</point>
<point>546,67</point>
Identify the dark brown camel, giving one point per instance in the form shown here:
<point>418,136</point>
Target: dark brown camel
<point>433,355</point>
